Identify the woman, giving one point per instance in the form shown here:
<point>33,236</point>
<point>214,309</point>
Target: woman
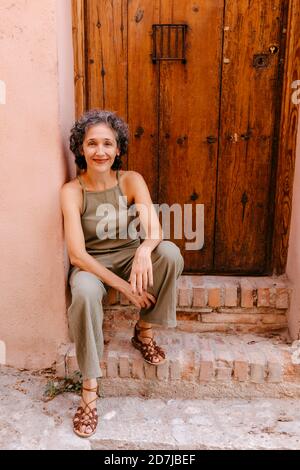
<point>145,272</point>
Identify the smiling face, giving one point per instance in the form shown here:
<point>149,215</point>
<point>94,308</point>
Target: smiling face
<point>100,147</point>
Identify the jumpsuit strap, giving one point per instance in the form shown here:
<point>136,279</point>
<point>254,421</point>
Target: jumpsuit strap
<point>81,182</point>
<point>83,194</point>
<point>120,189</point>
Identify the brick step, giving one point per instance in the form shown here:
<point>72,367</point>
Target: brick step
<point>198,366</point>
<point>198,322</point>
<point>219,303</point>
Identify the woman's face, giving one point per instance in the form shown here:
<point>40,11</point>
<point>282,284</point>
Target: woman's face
<point>100,147</point>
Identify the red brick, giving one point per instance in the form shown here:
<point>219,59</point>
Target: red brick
<point>248,311</point>
<point>241,368</point>
<point>231,318</point>
<point>272,297</point>
<point>257,366</point>
<point>282,297</point>
<point>199,297</point>
<point>138,368</point>
<point>241,362</point>
<point>231,299</point>
<point>274,368</point>
<point>263,297</point>
<point>175,370</point>
<point>206,372</point>
<point>124,366</point>
<point>223,373</point>
<point>124,300</point>
<point>103,367</point>
<point>185,296</point>
<point>187,316</point>
<point>214,296</point>
<point>150,371</point>
<point>185,291</point>
<point>198,327</point>
<point>112,364</point>
<point>223,355</point>
<point>274,318</point>
<point>246,293</point>
<point>163,371</point>
<point>113,297</point>
<point>191,366</point>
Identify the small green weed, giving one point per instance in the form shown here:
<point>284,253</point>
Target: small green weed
<point>69,384</point>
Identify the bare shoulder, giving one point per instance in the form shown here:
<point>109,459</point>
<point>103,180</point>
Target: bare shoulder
<point>71,192</point>
<point>133,184</point>
<point>71,186</point>
<point>131,177</point>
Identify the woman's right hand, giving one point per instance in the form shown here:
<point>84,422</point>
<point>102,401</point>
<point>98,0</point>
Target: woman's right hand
<point>145,300</point>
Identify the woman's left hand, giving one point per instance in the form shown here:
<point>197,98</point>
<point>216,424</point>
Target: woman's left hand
<point>141,272</point>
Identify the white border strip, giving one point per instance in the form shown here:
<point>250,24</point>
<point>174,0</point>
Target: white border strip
<point>2,92</point>
<point>2,353</point>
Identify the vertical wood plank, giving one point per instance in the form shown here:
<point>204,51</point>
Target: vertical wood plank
<point>78,32</point>
<point>287,142</point>
<point>248,108</point>
<point>143,86</point>
<point>106,55</point>
<point>189,114</point>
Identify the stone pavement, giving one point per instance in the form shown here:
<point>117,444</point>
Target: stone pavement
<point>29,422</point>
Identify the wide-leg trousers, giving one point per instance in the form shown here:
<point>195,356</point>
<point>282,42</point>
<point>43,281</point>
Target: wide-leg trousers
<point>85,313</point>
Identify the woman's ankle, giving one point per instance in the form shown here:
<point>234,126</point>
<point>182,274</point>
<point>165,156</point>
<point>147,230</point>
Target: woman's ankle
<point>144,324</point>
<point>89,383</point>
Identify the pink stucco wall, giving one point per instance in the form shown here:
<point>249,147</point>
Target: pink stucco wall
<point>293,263</point>
<point>37,69</point>
<point>37,72</point>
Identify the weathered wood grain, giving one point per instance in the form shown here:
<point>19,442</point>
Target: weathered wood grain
<point>189,114</point>
<point>287,143</point>
<point>143,89</point>
<point>78,31</point>
<point>247,123</point>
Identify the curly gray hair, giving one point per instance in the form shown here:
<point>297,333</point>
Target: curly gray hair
<point>91,118</point>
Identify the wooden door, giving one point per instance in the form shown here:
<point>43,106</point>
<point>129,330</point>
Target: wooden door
<point>250,100</point>
<point>203,131</point>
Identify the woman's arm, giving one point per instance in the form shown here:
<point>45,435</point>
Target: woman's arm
<point>141,272</point>
<point>71,199</point>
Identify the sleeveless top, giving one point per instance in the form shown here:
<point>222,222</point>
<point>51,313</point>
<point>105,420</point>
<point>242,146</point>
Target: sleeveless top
<point>108,222</point>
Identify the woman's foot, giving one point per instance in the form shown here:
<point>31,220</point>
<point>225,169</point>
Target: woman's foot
<point>86,418</point>
<point>143,340</point>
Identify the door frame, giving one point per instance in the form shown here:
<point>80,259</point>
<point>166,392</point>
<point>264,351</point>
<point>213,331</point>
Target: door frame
<point>285,148</point>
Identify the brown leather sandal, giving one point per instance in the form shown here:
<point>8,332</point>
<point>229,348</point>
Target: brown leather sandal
<point>86,416</point>
<point>148,350</point>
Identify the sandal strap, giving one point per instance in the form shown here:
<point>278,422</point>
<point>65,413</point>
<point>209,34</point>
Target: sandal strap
<point>87,404</point>
<point>86,415</point>
<point>82,418</point>
<point>140,328</point>
<point>150,348</point>
<point>149,351</point>
<point>94,389</point>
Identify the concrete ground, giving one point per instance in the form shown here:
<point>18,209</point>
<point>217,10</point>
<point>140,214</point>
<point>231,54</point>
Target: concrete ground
<point>29,421</point>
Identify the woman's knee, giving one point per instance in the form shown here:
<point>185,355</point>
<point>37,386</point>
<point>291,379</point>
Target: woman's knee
<point>170,252</point>
<point>87,286</point>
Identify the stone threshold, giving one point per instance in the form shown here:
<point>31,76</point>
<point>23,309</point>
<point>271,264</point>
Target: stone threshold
<point>197,366</point>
